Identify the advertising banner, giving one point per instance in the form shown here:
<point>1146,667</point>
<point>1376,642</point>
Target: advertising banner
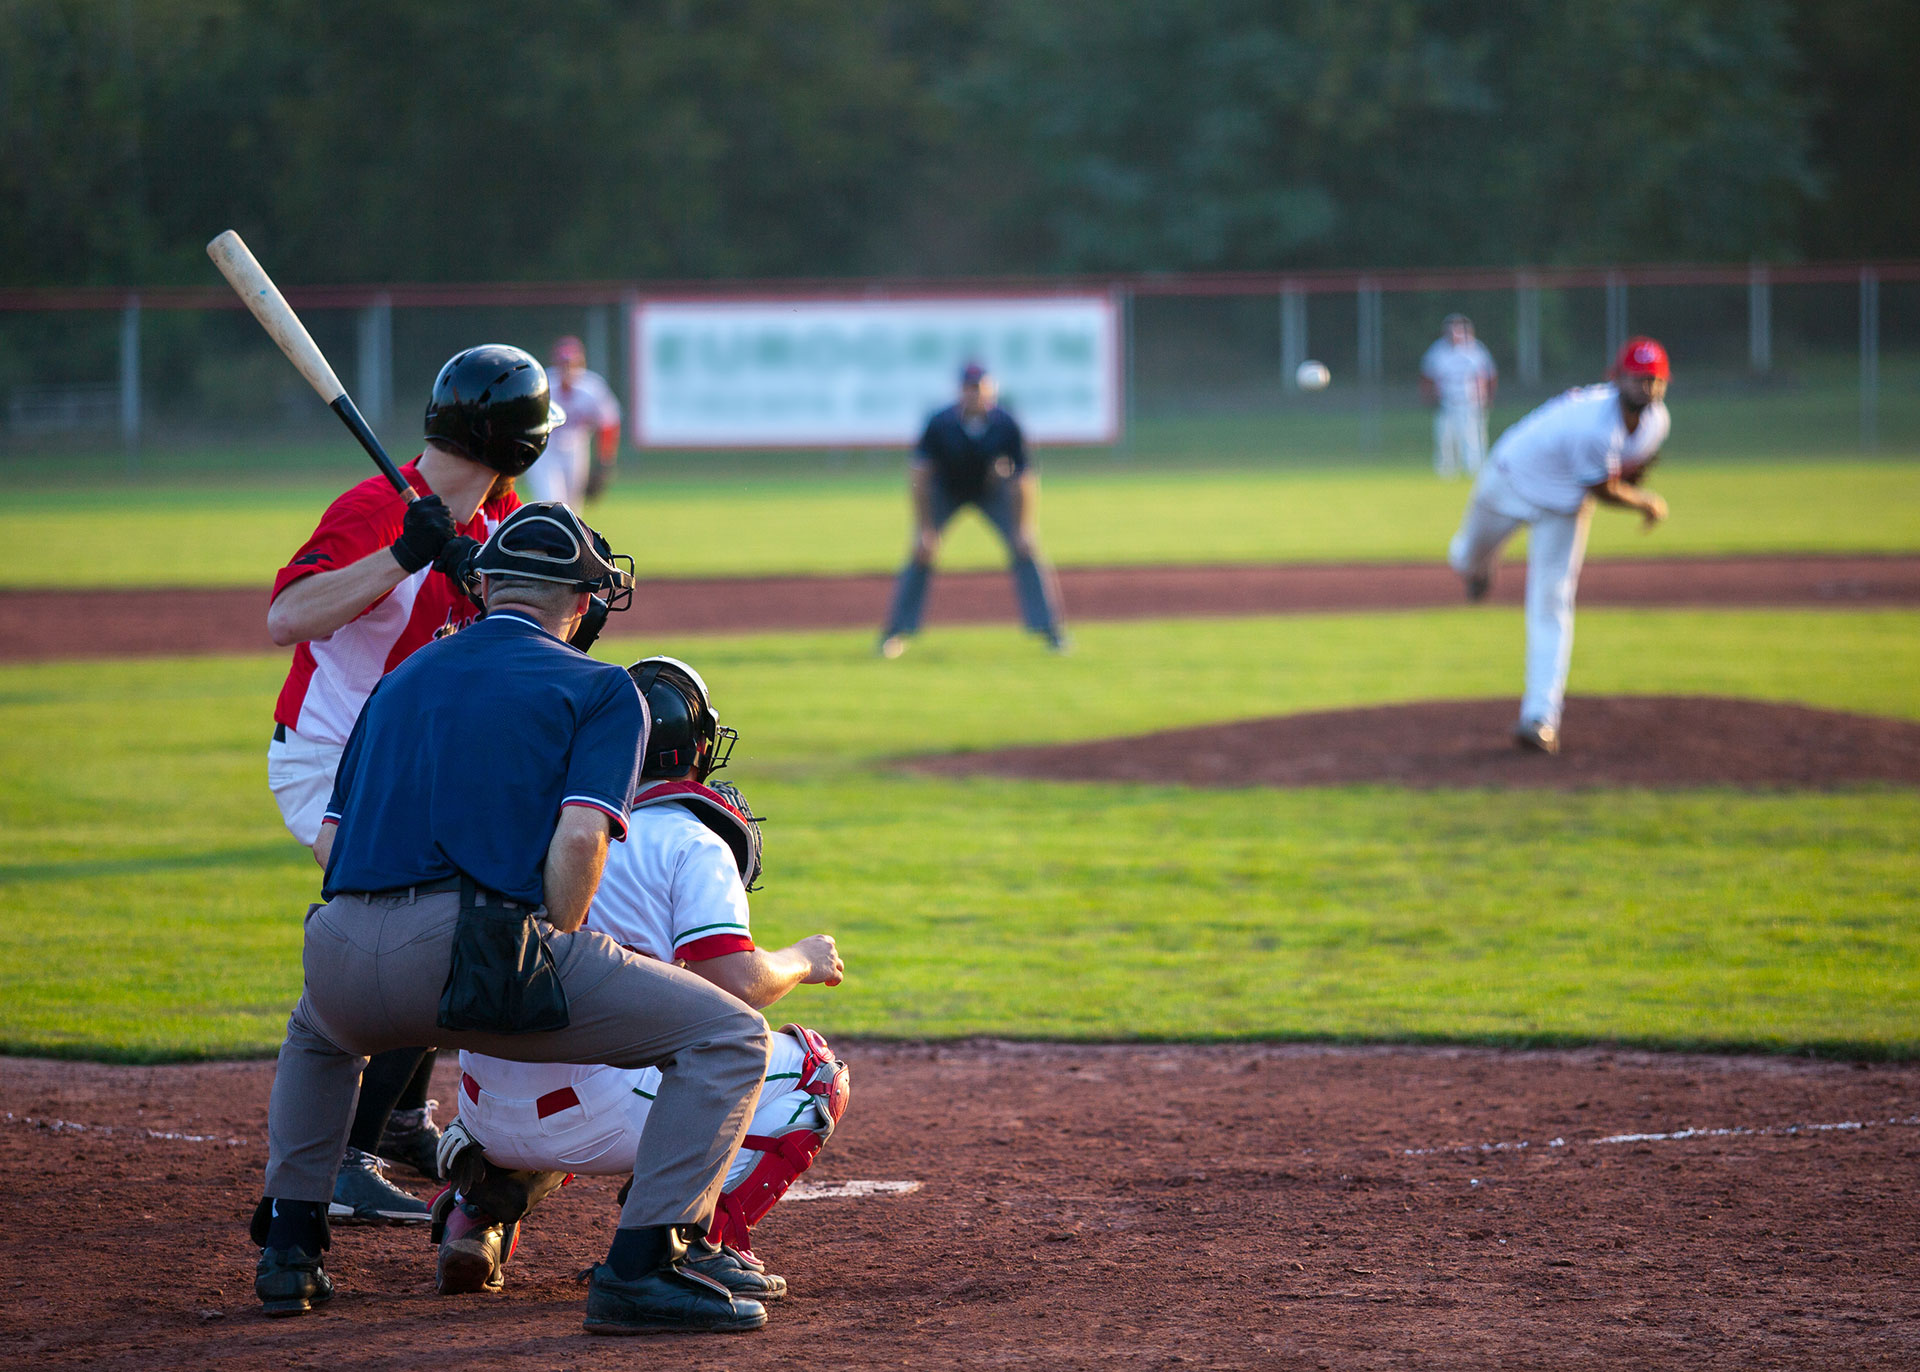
<point>865,373</point>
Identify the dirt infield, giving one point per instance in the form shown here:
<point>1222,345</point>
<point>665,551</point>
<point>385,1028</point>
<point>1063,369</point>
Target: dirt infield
<point>1232,1207</point>
<point>39,625</point>
<point>1657,742</point>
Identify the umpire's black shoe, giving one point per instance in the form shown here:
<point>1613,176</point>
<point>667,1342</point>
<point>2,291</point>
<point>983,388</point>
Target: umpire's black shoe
<point>671,1299</point>
<point>290,1281</point>
<point>739,1275</point>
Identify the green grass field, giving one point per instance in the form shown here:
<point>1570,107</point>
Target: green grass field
<point>150,901</point>
<point>1765,472</point>
<point>1089,516</point>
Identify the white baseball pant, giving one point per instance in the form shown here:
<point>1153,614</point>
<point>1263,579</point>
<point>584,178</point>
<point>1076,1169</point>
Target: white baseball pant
<point>1556,548</point>
<point>599,1135</point>
<point>300,773</point>
<point>1459,439</point>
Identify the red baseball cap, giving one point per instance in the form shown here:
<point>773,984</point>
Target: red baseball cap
<point>1642,357</point>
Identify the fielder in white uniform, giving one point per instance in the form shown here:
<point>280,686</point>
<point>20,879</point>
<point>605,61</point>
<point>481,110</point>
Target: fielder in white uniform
<point>567,471</point>
<point>676,890</point>
<point>1458,378</point>
<point>1545,472</point>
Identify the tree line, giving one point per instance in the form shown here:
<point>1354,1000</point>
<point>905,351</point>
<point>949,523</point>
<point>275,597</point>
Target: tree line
<point>371,140</point>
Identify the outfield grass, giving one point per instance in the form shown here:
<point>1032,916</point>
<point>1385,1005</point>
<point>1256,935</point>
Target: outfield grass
<point>149,901</point>
<point>1091,515</point>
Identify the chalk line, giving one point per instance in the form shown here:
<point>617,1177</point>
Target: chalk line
<point>1761,1131</point>
<point>58,1126</point>
<point>848,1190</point>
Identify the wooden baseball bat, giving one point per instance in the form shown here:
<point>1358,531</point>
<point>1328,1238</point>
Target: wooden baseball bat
<point>252,284</point>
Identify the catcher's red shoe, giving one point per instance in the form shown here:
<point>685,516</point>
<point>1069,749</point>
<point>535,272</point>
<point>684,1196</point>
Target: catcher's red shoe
<point>474,1247</point>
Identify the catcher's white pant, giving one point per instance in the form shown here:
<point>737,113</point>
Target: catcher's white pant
<point>300,772</point>
<point>598,1135</point>
<point>1556,548</point>
<point>1459,439</point>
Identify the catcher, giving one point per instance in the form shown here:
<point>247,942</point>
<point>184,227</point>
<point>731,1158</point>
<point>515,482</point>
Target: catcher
<point>676,890</point>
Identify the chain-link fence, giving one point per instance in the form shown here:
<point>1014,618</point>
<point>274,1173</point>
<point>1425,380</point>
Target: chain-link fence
<point>1783,360</point>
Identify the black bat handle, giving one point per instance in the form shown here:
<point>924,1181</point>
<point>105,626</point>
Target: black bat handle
<point>357,426</point>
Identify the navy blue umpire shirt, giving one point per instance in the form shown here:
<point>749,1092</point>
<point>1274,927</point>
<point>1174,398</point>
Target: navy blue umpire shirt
<point>964,454</point>
<point>465,754</point>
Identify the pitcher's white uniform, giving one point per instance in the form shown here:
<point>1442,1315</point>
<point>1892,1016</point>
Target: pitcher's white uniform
<point>1540,474</point>
<point>672,891</point>
<point>1459,373</point>
<point>561,471</point>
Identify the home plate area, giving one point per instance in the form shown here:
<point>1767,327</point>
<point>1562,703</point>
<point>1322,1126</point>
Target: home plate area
<point>1235,1206</point>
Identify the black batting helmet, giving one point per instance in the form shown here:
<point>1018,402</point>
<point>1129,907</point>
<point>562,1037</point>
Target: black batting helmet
<point>491,404</point>
<point>686,728</point>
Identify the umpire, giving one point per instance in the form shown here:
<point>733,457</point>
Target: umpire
<point>465,837</point>
<point>972,453</point>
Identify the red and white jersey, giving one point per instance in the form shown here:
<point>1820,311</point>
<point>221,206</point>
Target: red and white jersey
<point>332,677</point>
<point>672,891</point>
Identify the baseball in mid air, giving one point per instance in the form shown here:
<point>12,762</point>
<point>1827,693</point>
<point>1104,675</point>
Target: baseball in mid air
<point>1312,376</point>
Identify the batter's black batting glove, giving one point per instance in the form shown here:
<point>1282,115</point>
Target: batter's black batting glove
<point>456,564</point>
<point>428,528</point>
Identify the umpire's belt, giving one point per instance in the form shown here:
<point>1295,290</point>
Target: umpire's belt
<point>424,888</point>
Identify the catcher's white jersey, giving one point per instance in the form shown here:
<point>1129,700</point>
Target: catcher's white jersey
<point>1574,442</point>
<point>561,472</point>
<point>1457,370</point>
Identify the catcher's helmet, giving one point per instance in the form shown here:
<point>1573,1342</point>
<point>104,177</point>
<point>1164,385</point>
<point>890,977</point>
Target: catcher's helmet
<point>491,404</point>
<point>686,728</point>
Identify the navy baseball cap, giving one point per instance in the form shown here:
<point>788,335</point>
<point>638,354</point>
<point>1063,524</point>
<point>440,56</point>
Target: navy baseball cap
<point>971,374</point>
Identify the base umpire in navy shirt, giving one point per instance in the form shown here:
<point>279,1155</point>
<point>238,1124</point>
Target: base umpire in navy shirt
<point>463,843</point>
<point>973,453</point>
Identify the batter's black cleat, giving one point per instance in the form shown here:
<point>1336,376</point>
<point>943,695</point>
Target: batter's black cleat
<point>363,1195</point>
<point>290,1281</point>
<point>1536,735</point>
<point>412,1137</point>
<point>670,1299</point>
<point>741,1275</point>
<point>1478,583</point>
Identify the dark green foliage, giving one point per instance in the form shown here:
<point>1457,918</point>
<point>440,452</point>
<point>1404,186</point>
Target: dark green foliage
<point>402,140</point>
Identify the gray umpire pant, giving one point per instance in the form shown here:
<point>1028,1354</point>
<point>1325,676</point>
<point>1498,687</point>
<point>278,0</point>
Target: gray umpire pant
<point>375,967</point>
<point>1033,581</point>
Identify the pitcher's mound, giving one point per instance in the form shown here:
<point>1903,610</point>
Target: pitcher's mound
<point>1643,741</point>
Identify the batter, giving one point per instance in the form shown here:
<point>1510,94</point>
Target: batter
<point>374,583</point>
<point>675,891</point>
<point>1595,442</point>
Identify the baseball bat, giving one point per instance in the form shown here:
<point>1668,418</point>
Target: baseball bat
<point>252,284</point>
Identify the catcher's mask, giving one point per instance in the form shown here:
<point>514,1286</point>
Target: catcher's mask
<point>547,541</point>
<point>492,404</point>
<point>686,728</point>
